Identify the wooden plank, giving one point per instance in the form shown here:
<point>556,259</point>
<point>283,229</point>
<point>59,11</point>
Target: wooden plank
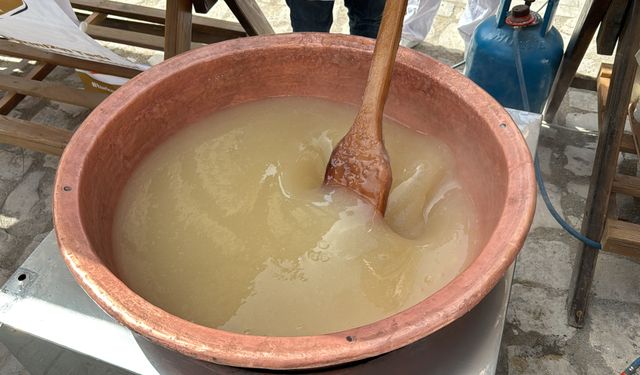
<point>613,207</point>
<point>138,12</point>
<point>203,6</point>
<point>250,17</point>
<point>121,9</point>
<point>11,98</point>
<point>126,24</point>
<point>604,168</point>
<point>628,185</point>
<point>20,50</point>
<point>583,82</point>
<point>33,136</point>
<point>635,127</point>
<point>611,27</point>
<point>126,37</point>
<point>622,238</point>
<point>627,145</point>
<point>593,12</point>
<point>53,91</point>
<point>606,70</point>
<point>603,80</point>
<point>95,18</point>
<point>177,28</point>
<point>219,28</point>
<point>198,35</point>
<point>130,37</point>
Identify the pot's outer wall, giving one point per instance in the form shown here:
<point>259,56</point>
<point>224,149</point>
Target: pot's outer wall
<point>492,158</point>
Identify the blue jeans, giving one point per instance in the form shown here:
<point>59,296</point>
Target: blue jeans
<point>316,15</point>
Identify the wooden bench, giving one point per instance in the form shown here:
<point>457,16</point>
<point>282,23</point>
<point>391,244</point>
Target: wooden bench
<point>175,31</point>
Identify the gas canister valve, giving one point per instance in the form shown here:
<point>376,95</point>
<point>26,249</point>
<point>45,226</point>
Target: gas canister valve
<point>522,16</point>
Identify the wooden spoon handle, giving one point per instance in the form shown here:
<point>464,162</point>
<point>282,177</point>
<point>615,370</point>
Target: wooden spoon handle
<point>359,161</point>
<point>384,56</point>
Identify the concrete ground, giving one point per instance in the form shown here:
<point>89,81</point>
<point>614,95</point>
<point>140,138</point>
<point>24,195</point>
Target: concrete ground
<point>537,339</point>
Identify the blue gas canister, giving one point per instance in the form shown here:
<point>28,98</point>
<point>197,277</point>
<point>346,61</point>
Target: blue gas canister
<point>515,55</point>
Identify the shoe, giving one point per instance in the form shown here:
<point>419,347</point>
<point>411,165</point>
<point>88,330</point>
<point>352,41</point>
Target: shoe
<point>409,43</point>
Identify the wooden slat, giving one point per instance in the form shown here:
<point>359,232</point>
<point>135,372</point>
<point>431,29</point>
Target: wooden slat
<point>635,127</point>
<point>583,82</point>
<point>622,238</point>
<point>198,36</point>
<point>177,28</point>
<point>130,37</point>
<point>204,24</point>
<point>627,145</point>
<point>593,12</point>
<point>121,9</point>
<point>629,185</point>
<point>602,88</point>
<point>127,37</point>
<point>53,91</point>
<point>603,81</point>
<point>95,18</point>
<point>19,50</point>
<point>11,98</point>
<point>203,6</point>
<point>611,26</point>
<point>33,136</point>
<point>606,70</point>
<point>250,17</point>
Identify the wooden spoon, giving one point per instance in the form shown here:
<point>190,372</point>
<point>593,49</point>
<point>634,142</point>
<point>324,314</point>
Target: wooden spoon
<point>360,161</point>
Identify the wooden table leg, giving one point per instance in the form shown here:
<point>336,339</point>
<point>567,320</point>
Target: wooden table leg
<point>604,168</point>
<point>250,17</point>
<point>177,28</point>
<point>592,14</point>
<point>611,26</point>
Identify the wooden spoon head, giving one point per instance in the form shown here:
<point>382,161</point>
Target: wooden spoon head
<point>361,164</point>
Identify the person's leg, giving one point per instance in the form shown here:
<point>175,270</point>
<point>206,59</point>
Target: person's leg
<point>418,21</point>
<point>364,16</point>
<point>475,12</point>
<point>311,15</point>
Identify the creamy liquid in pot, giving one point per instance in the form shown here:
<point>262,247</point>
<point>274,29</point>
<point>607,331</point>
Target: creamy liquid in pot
<point>227,224</point>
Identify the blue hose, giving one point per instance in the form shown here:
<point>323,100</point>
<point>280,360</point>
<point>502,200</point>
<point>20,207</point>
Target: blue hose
<point>633,367</point>
<point>543,191</point>
<point>556,215</point>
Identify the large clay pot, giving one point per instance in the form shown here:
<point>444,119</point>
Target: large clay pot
<point>425,95</point>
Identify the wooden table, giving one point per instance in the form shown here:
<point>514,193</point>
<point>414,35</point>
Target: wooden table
<point>177,34</point>
<point>619,22</point>
<point>175,31</point>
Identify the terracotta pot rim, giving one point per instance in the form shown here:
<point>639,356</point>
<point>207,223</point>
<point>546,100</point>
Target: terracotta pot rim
<point>431,314</point>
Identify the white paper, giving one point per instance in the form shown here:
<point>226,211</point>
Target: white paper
<point>51,25</point>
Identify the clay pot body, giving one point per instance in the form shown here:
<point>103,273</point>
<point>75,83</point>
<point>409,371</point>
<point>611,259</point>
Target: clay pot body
<point>425,95</point>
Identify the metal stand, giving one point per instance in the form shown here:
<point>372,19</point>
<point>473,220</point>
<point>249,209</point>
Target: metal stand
<point>51,326</point>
